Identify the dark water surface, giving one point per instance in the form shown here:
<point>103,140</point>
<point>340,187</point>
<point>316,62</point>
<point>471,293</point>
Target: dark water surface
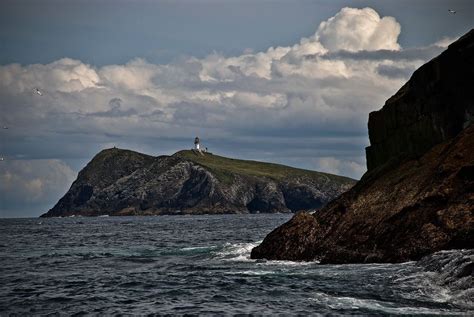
<point>196,264</point>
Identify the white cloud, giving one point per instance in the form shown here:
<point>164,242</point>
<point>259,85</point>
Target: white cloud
<point>253,86</point>
<point>64,75</point>
<point>322,87</point>
<point>359,29</point>
<point>136,75</point>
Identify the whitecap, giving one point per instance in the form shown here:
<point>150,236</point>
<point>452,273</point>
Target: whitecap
<point>352,303</point>
<point>237,251</point>
<point>251,272</point>
<point>441,279</point>
<point>288,263</point>
<point>203,248</point>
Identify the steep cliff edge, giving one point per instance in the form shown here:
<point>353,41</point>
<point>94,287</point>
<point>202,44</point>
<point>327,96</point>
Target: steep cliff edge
<point>432,107</point>
<point>418,195</point>
<point>123,182</point>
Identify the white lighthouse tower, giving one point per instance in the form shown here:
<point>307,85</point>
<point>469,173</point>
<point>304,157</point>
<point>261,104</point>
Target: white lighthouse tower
<point>197,144</point>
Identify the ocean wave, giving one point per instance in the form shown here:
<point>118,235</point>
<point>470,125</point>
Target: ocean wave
<point>236,251</point>
<point>287,263</point>
<point>205,248</point>
<point>372,305</point>
<point>159,266</point>
<point>240,252</point>
<point>192,250</point>
<point>252,272</point>
<point>445,277</point>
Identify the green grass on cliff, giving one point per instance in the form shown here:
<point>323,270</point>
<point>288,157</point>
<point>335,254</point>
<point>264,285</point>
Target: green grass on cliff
<point>110,164</point>
<point>225,168</point>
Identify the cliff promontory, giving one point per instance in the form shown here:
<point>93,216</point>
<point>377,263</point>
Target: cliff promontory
<point>418,194</point>
<point>432,107</point>
<point>122,182</point>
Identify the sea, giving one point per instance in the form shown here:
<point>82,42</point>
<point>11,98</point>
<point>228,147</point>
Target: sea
<point>201,264</point>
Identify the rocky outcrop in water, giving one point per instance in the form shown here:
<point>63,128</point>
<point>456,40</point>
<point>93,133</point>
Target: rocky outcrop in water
<point>122,182</point>
<point>418,195</point>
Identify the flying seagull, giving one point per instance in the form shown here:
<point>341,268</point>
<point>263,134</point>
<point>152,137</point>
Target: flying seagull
<point>452,11</point>
<point>38,91</point>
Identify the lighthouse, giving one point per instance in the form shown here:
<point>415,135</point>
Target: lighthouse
<point>197,144</point>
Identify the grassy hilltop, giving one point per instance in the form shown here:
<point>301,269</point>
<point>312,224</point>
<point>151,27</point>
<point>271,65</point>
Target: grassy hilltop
<point>225,167</point>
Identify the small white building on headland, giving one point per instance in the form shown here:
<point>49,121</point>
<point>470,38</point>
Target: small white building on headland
<point>197,144</point>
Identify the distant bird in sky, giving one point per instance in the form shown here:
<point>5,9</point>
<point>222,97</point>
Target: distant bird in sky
<point>452,11</point>
<point>38,91</point>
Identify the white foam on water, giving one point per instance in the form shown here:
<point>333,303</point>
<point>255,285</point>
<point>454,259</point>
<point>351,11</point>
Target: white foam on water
<point>288,263</point>
<point>198,248</point>
<point>241,252</point>
<point>438,281</point>
<point>351,303</point>
<point>422,282</point>
<point>237,251</point>
<point>426,285</point>
<point>248,272</point>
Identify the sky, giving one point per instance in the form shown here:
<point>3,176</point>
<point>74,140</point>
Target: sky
<point>290,82</point>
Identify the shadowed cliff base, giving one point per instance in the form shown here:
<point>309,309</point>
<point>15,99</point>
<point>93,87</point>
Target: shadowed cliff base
<point>418,195</point>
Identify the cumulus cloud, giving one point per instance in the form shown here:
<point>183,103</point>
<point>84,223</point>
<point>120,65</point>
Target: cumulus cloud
<point>64,75</point>
<point>359,29</point>
<point>297,102</point>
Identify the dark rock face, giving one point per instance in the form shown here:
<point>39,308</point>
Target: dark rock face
<point>407,205</point>
<point>292,240</point>
<point>122,182</point>
<point>433,106</point>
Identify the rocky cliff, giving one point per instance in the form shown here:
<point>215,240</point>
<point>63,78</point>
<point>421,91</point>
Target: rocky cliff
<point>418,195</point>
<point>432,107</point>
<point>123,182</point>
